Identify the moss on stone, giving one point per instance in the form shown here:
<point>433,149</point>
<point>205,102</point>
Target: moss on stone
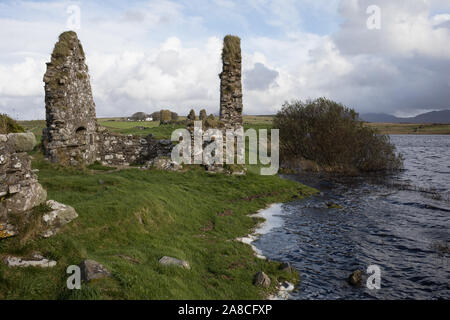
<point>81,76</point>
<point>231,48</point>
<point>64,47</point>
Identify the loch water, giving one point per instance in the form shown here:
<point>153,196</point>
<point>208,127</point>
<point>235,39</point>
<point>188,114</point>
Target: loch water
<point>399,222</point>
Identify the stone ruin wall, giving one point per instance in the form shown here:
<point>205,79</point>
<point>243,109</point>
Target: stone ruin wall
<point>127,150</point>
<point>73,136</point>
<point>20,190</point>
<point>231,83</point>
<point>231,105</point>
<point>70,109</point>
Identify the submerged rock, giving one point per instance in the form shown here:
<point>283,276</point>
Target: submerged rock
<point>355,278</point>
<point>262,280</point>
<point>92,270</point>
<point>169,261</point>
<point>60,215</point>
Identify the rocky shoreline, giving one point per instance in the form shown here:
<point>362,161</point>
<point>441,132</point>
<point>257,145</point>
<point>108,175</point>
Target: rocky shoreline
<point>270,221</point>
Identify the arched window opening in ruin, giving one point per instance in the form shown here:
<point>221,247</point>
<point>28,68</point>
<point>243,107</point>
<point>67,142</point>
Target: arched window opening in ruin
<point>81,135</point>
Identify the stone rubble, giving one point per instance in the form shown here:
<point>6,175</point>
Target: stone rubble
<point>20,190</point>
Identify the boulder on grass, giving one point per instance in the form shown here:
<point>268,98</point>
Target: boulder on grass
<point>262,280</point>
<point>92,270</point>
<point>60,215</point>
<point>169,261</point>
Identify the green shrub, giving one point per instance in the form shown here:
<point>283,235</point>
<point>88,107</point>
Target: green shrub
<point>156,115</point>
<point>8,125</point>
<point>331,135</point>
<point>165,116</point>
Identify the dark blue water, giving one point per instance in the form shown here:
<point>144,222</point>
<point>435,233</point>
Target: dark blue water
<point>400,223</point>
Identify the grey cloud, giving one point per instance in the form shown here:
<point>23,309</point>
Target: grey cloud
<point>383,77</point>
<point>260,77</point>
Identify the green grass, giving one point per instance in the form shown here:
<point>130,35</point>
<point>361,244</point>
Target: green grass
<point>142,216</point>
<point>97,166</point>
<point>35,126</point>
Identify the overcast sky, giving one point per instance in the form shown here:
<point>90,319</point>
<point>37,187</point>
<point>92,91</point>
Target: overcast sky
<point>148,55</point>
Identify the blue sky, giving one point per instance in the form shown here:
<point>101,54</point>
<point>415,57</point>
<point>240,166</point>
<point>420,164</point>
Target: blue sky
<point>148,55</point>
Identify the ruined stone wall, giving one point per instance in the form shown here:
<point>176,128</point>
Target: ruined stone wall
<point>231,83</point>
<point>72,136</point>
<point>127,150</point>
<point>19,187</point>
<point>70,110</point>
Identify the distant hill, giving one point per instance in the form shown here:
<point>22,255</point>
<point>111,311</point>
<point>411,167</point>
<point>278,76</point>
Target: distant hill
<point>429,117</point>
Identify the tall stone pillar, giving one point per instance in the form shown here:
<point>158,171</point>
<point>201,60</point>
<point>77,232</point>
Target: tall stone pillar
<point>231,83</point>
<point>70,136</point>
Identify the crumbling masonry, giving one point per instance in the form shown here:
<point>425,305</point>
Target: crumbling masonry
<point>20,190</point>
<point>73,136</point>
<point>231,83</point>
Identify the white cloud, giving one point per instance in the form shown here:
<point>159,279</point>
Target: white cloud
<point>159,54</point>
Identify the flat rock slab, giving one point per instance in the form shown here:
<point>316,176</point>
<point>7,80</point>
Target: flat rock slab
<point>92,270</point>
<point>36,261</point>
<point>60,215</point>
<point>169,261</point>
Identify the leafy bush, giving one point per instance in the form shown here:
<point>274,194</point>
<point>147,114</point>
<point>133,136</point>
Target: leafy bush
<point>331,135</point>
<point>165,116</point>
<point>8,125</point>
<point>156,115</point>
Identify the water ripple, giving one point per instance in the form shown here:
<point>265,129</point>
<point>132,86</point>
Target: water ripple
<point>395,228</point>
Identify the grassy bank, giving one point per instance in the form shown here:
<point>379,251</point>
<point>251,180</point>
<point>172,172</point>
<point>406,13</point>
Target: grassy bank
<point>129,219</point>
